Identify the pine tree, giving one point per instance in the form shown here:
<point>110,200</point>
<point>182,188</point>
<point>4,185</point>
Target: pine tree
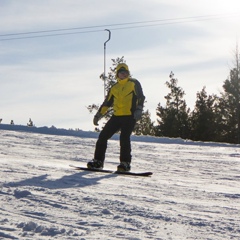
<point>230,103</point>
<point>145,126</point>
<point>204,117</point>
<point>173,119</point>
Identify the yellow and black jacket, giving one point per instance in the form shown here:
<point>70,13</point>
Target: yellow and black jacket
<point>125,97</point>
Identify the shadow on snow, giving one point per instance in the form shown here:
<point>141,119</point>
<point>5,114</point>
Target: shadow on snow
<point>69,181</point>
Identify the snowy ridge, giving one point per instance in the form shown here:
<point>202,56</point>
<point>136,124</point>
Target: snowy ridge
<point>193,193</point>
<point>89,134</point>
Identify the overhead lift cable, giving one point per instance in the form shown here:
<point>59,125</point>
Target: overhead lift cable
<point>112,27</point>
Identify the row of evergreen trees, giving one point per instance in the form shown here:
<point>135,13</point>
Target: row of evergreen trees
<point>214,118</point>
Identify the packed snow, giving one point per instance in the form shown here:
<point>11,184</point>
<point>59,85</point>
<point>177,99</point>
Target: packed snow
<point>194,192</point>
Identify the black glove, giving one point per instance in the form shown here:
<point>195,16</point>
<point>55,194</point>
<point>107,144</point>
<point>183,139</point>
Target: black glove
<point>97,118</point>
<point>138,113</point>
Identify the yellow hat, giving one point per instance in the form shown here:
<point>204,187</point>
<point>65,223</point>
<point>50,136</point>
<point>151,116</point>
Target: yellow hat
<point>122,66</point>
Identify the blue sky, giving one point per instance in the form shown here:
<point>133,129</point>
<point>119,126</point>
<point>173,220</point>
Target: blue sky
<point>53,79</point>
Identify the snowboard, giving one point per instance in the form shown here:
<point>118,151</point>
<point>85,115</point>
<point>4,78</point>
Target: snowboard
<point>140,174</point>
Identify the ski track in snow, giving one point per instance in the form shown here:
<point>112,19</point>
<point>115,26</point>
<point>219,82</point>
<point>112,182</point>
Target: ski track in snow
<point>194,192</point>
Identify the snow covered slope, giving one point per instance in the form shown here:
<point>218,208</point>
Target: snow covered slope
<point>194,192</point>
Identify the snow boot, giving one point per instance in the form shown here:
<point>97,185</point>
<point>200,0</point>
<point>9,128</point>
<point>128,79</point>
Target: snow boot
<point>124,167</point>
<point>95,164</point>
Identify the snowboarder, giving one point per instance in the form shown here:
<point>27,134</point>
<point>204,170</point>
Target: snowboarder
<point>126,97</point>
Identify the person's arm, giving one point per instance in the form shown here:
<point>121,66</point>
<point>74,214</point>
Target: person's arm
<point>103,108</point>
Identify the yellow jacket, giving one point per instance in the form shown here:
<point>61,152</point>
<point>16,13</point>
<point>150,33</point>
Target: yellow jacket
<point>125,97</point>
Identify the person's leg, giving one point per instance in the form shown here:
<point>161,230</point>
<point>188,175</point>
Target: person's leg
<point>127,127</point>
<point>111,127</point>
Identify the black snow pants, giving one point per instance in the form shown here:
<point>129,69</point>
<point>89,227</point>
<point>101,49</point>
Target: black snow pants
<point>126,125</point>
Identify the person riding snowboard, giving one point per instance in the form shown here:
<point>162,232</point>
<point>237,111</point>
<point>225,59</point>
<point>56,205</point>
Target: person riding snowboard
<point>126,97</point>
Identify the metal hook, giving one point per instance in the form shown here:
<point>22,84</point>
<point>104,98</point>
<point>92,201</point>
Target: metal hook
<point>104,73</point>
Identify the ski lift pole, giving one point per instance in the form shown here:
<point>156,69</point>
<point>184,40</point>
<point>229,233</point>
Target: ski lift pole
<point>104,73</point>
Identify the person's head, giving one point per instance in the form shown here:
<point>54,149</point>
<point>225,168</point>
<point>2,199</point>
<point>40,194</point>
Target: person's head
<point>122,71</point>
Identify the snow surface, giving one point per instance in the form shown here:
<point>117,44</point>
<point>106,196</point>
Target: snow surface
<point>194,192</point>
